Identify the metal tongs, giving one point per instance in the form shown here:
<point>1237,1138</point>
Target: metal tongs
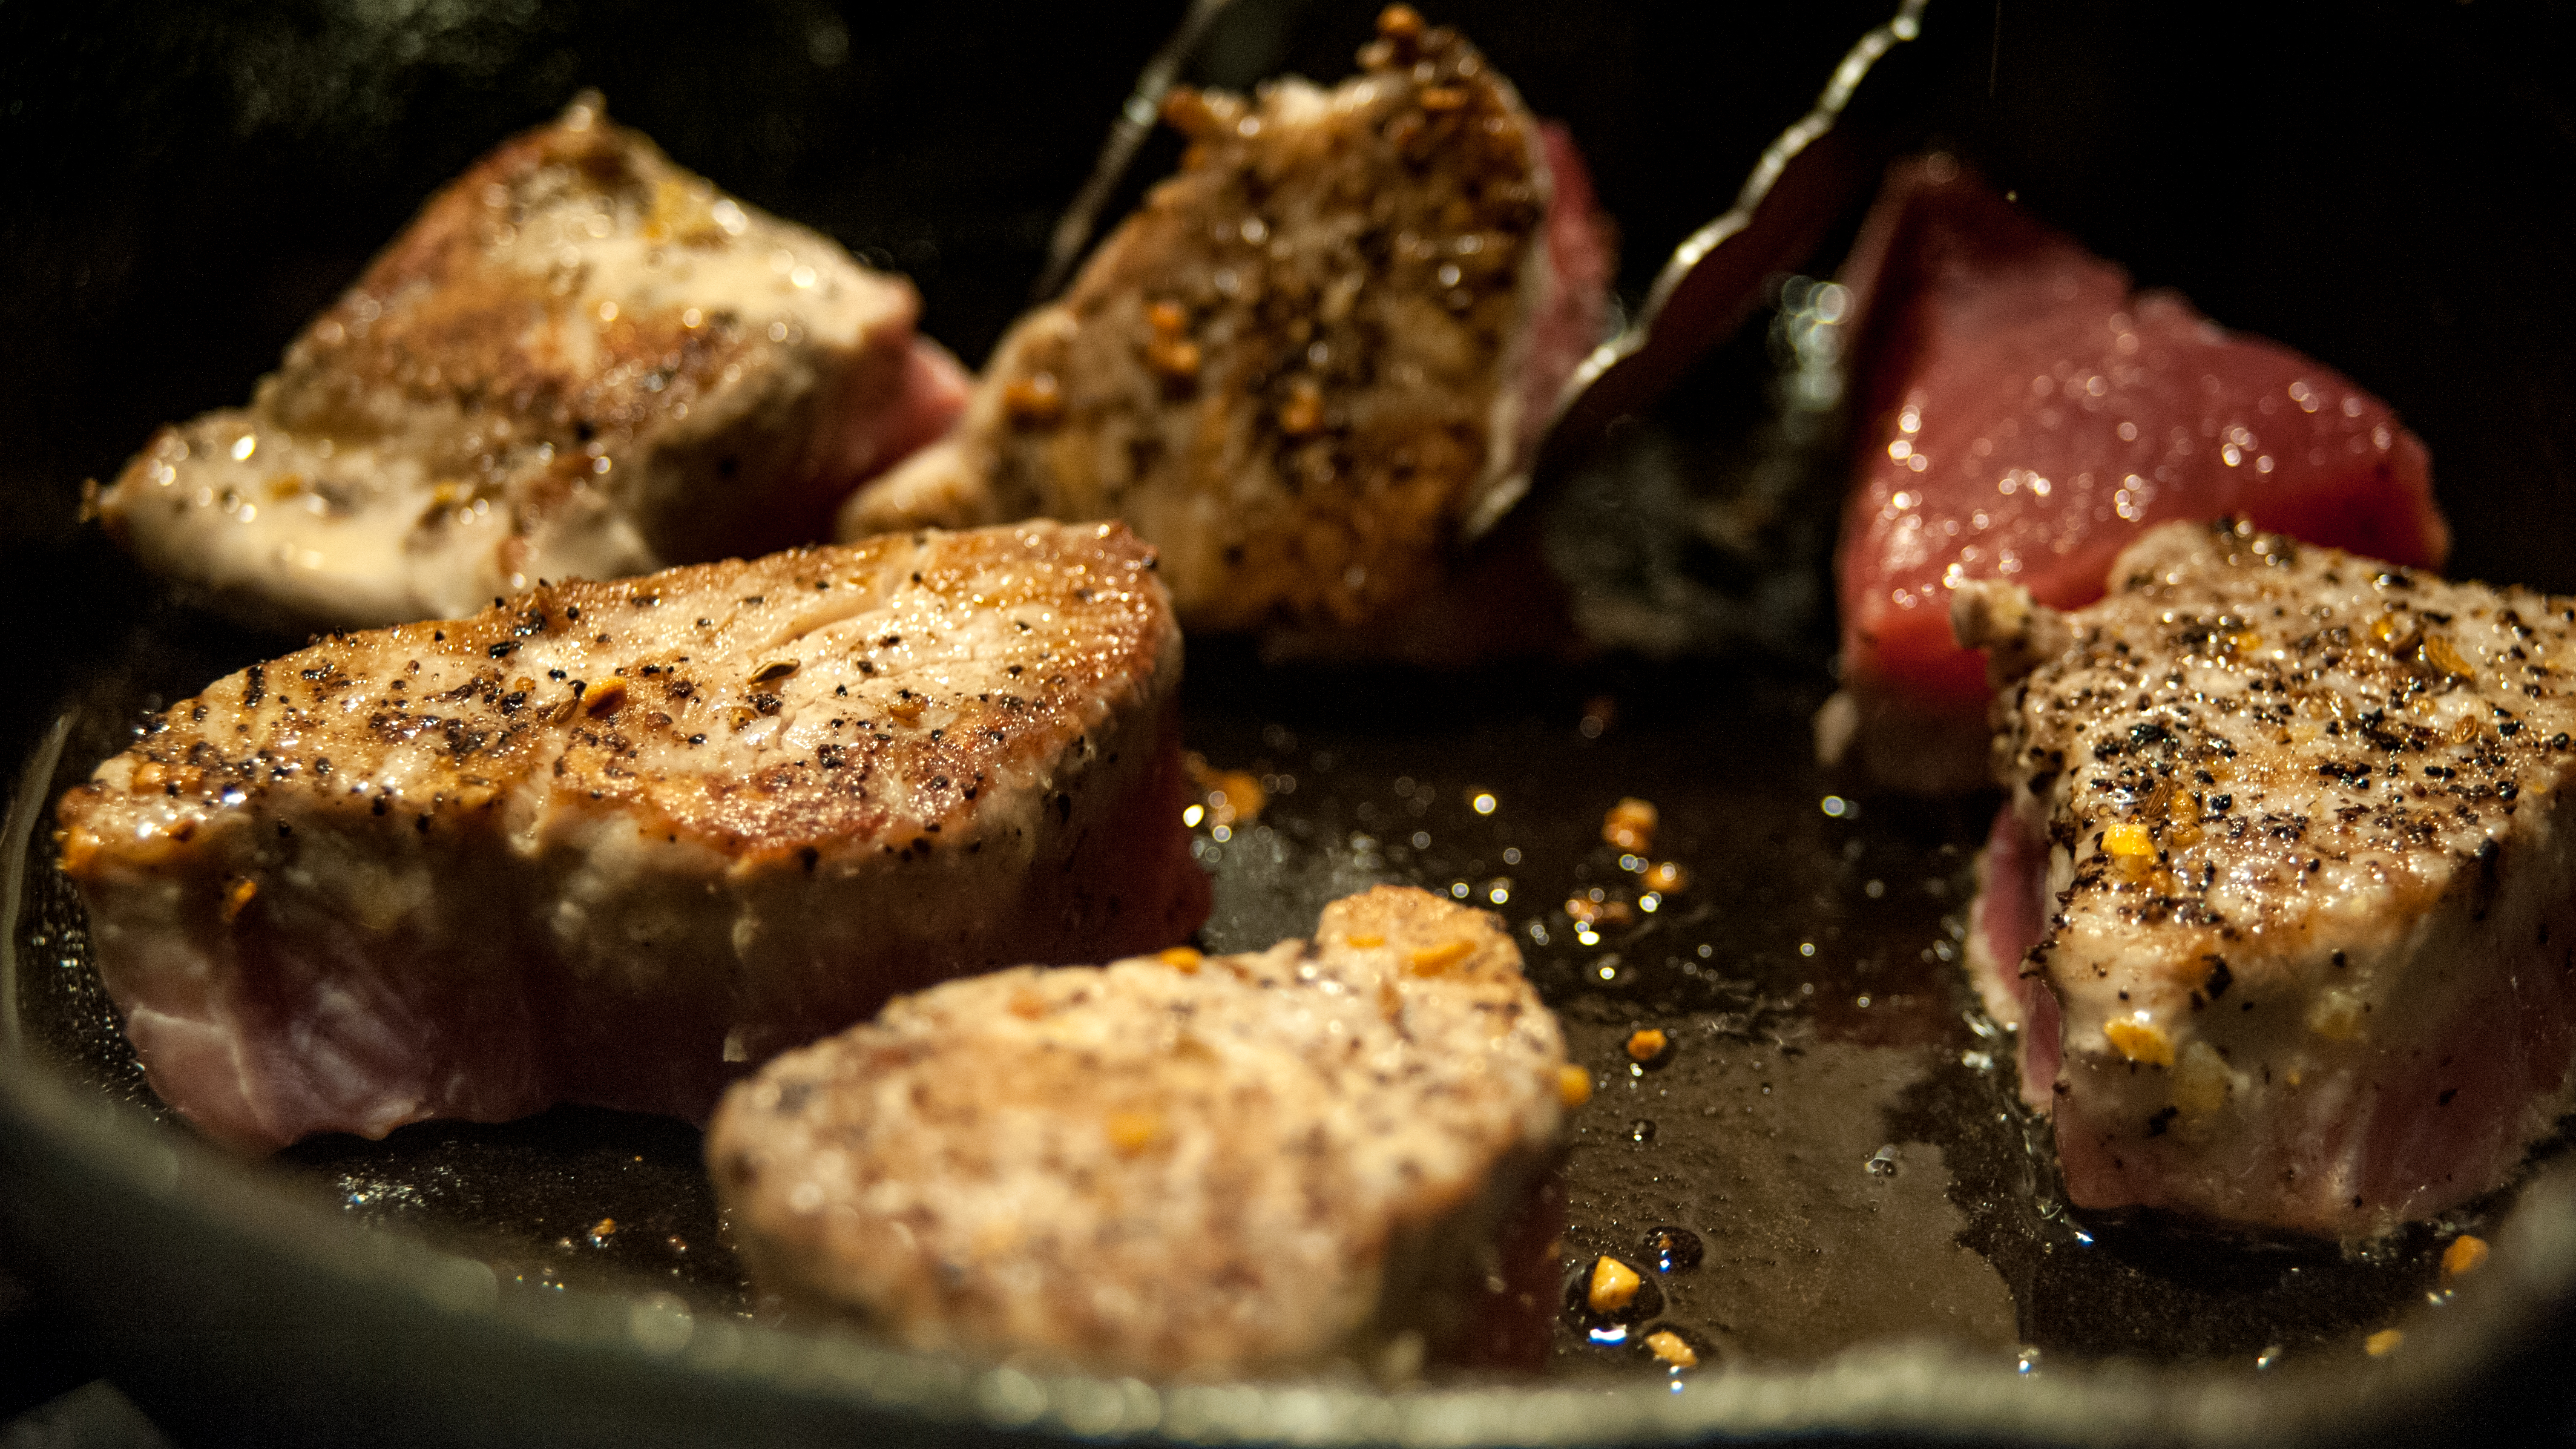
<point>1805,179</point>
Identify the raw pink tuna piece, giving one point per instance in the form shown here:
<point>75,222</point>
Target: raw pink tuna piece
<point>2025,416</point>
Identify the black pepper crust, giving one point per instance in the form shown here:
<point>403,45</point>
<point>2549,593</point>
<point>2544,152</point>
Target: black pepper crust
<point>649,697</point>
<point>2289,840</point>
<point>1294,367</point>
<point>2278,709</point>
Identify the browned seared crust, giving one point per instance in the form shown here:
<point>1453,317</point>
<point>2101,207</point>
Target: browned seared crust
<point>1293,370</point>
<point>718,810</point>
<point>1169,1166</point>
<point>579,359</point>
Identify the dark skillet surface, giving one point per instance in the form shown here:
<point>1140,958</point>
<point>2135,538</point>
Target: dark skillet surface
<point>2379,192</point>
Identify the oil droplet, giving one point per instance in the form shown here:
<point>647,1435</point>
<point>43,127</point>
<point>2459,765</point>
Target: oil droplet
<point>1673,1250</point>
<point>1641,1131</point>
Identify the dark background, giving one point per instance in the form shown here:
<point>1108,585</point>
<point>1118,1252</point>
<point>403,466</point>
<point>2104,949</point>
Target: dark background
<point>2384,185</point>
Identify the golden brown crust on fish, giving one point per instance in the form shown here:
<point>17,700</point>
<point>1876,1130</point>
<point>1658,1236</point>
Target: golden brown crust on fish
<point>722,809</point>
<point>1172,1166</point>
<point>1299,364</point>
<point>579,360</point>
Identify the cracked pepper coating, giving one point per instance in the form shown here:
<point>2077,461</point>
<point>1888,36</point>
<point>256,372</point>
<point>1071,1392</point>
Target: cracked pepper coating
<point>2284,899</point>
<point>1307,357</point>
<point>1172,1166</point>
<point>619,842</point>
<point>579,361</point>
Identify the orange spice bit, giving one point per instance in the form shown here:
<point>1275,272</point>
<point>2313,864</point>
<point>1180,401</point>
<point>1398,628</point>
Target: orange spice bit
<point>1303,413</point>
<point>1176,360</point>
<point>2398,633</point>
<point>1672,1348</point>
<point>605,697</point>
<point>2128,840</point>
<point>1630,825</point>
<point>2439,653</point>
<point>1573,1085</point>
<point>1666,878</point>
<point>1432,960</point>
<point>1232,796</point>
<point>1181,958</point>
<point>238,895</point>
<point>2139,1041</point>
<point>1584,910</point>
<point>1400,22</point>
<point>2384,1342</point>
<point>601,1232</point>
<point>1187,111</point>
<point>1027,1005</point>
<point>1132,1132</point>
<point>2466,1254</point>
<point>1033,401</point>
<point>1170,351</point>
<point>1364,940</point>
<point>1614,1285</point>
<point>1647,1043</point>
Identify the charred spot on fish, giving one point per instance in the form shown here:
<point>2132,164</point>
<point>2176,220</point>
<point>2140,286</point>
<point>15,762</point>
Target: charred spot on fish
<point>2490,861</point>
<point>2219,978</point>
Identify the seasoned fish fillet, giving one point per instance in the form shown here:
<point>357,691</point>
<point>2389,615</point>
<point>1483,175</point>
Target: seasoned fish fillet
<point>2284,898</point>
<point>579,361</point>
<point>1308,356</point>
<point>1169,1165</point>
<point>617,842</point>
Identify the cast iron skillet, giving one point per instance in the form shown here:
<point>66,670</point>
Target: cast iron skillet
<point>1883,1256</point>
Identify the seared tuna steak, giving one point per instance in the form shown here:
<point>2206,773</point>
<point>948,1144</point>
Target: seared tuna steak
<point>580,360</point>
<point>1308,356</point>
<point>2284,898</point>
<point>1170,1165</point>
<point>619,842</point>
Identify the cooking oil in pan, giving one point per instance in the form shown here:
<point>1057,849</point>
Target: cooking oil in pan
<point>1800,1136</point>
